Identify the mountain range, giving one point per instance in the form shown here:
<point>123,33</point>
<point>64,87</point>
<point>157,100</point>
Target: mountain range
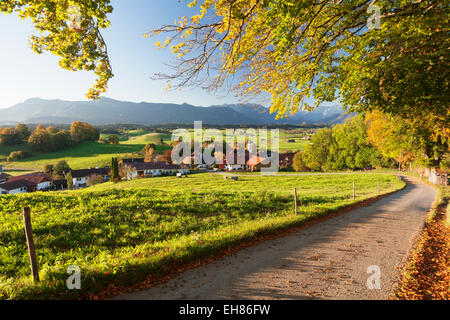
<point>110,111</point>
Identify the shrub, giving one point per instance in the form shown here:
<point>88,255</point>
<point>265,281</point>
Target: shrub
<point>18,155</point>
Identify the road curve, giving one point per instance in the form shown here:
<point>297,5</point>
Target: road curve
<point>328,260</point>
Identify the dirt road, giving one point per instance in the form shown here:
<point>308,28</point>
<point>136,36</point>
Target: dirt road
<point>328,260</point>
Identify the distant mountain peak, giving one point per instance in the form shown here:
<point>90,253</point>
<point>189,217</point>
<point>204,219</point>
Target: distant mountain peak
<point>108,111</point>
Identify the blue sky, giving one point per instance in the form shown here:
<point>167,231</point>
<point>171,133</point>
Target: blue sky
<point>24,74</point>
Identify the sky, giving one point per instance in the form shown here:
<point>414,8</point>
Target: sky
<point>25,74</point>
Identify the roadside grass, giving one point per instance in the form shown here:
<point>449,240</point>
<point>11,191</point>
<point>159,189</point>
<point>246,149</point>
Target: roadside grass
<point>426,276</point>
<point>120,233</point>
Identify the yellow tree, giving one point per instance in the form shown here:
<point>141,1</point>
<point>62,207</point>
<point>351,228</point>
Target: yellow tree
<point>69,29</point>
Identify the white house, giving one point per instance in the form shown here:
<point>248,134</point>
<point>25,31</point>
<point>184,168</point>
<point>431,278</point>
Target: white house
<point>80,177</point>
<point>14,187</point>
<point>153,169</point>
<point>233,167</point>
<point>36,181</point>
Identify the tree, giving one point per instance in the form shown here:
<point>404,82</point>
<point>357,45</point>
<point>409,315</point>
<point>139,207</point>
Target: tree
<point>352,149</point>
<point>62,167</point>
<point>115,175</point>
<point>70,30</point>
<point>149,152</point>
<point>298,164</point>
<point>18,155</point>
<point>167,156</point>
<point>113,139</point>
<point>23,131</point>
<point>40,140</point>
<point>69,180</point>
<point>94,179</point>
<point>316,153</point>
<point>293,50</point>
<point>49,168</point>
<point>82,131</point>
<point>406,140</point>
<point>10,137</point>
<point>62,140</point>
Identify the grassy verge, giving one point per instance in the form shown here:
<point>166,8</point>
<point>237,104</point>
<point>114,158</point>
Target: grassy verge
<point>427,274</point>
<point>122,234</point>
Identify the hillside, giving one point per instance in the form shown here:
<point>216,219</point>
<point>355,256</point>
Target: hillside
<point>108,111</point>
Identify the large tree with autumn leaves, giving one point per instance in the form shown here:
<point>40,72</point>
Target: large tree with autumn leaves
<point>292,50</point>
<point>70,29</point>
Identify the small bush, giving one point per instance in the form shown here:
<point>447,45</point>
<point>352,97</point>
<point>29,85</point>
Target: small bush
<point>18,155</point>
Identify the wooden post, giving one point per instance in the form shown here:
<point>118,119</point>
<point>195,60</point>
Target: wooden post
<point>295,201</point>
<point>378,187</point>
<point>354,191</point>
<point>30,243</point>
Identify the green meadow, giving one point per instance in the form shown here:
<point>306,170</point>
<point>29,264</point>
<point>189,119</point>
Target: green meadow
<point>120,233</point>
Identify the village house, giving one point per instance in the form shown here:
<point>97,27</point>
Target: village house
<point>60,184</point>
<point>3,177</point>
<point>14,187</point>
<point>132,160</point>
<point>36,181</point>
<point>153,169</point>
<point>255,163</point>
<point>81,177</point>
<point>237,163</point>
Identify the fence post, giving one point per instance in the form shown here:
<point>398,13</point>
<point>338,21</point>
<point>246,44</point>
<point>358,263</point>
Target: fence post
<point>295,201</point>
<point>354,191</point>
<point>30,243</point>
<point>378,187</point>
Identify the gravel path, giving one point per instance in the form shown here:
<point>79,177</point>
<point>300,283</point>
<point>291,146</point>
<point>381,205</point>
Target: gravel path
<point>328,260</point>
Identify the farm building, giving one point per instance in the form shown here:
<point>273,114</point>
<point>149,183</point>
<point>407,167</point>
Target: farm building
<point>239,161</point>
<point>3,177</point>
<point>132,160</point>
<point>153,169</point>
<point>81,177</point>
<point>255,163</point>
<point>37,181</point>
<point>14,187</point>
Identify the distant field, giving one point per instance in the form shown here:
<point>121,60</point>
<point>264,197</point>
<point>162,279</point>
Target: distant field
<point>119,233</point>
<point>150,138</point>
<point>87,154</point>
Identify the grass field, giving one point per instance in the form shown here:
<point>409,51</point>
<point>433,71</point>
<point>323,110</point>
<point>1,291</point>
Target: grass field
<point>120,233</point>
<point>82,156</point>
<point>87,154</point>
